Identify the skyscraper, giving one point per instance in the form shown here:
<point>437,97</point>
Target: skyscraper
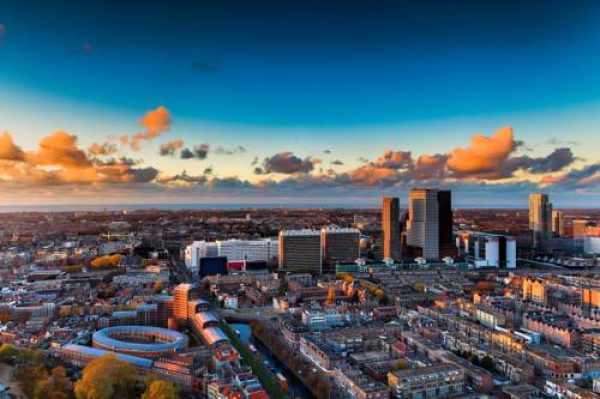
<point>390,224</point>
<point>300,251</point>
<point>429,224</point>
<point>540,217</point>
<point>558,223</point>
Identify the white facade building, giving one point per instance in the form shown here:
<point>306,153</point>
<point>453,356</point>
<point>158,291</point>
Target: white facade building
<point>591,245</point>
<point>233,250</point>
<point>257,250</point>
<point>487,250</point>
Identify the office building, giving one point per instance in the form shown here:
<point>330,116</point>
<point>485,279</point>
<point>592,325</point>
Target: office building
<point>300,251</point>
<point>429,225</point>
<point>487,250</point>
<point>558,223</point>
<point>248,250</point>
<point>390,225</point>
<point>340,244</point>
<point>540,218</point>
<point>198,250</point>
<point>263,250</point>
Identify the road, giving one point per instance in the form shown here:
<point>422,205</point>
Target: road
<point>6,379</point>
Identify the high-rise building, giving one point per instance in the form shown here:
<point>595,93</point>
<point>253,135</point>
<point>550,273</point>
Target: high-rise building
<point>182,294</point>
<point>429,225</point>
<point>300,251</point>
<point>340,244</point>
<point>558,223</point>
<point>540,217</point>
<point>390,224</point>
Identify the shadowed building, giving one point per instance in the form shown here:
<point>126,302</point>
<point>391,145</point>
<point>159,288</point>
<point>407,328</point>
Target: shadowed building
<point>300,251</point>
<point>540,218</point>
<point>558,223</point>
<point>340,244</point>
<point>429,225</point>
<point>390,224</point>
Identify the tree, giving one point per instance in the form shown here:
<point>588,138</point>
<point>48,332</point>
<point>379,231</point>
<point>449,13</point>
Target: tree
<point>106,378</point>
<point>73,269</point>
<point>58,386</point>
<point>107,262</point>
<point>418,287</point>
<point>4,316</point>
<point>379,293</point>
<point>484,285</point>
<point>159,286</point>
<point>160,389</point>
<point>487,363</point>
<point>401,364</point>
<point>23,317</point>
<point>64,311</point>
<point>6,351</point>
<point>29,377</point>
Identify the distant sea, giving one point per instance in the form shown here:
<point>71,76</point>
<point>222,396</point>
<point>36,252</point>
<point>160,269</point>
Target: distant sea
<point>208,206</point>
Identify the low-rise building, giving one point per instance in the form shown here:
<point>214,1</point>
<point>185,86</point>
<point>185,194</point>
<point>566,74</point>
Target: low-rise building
<point>438,381</point>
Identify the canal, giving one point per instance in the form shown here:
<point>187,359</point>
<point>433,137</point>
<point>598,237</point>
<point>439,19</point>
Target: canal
<point>295,386</point>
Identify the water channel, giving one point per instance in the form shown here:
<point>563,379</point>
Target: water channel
<point>295,386</point>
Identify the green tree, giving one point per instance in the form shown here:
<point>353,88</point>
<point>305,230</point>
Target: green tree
<point>401,364</point>
<point>159,286</point>
<point>6,351</point>
<point>160,389</point>
<point>106,378</point>
<point>487,363</point>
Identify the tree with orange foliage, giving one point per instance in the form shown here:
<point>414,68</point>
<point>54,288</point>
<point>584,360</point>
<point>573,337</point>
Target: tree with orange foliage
<point>484,285</point>
<point>106,377</point>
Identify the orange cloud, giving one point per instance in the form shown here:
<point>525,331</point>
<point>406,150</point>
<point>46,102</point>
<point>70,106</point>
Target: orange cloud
<point>59,160</point>
<point>102,149</point>
<point>484,154</point>
<point>372,175</point>
<point>8,149</point>
<point>156,122</point>
<point>394,159</point>
<point>169,148</point>
<point>60,148</point>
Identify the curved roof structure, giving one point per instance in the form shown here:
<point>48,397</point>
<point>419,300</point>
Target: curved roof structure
<point>96,352</point>
<point>120,339</point>
<point>213,335</point>
<point>206,317</point>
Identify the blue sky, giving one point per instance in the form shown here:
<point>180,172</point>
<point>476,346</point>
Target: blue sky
<point>354,78</point>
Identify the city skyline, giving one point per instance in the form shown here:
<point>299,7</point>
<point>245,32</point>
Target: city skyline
<point>319,104</point>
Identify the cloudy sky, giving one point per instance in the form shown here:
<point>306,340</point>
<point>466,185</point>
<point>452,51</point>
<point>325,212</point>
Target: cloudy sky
<point>299,101</point>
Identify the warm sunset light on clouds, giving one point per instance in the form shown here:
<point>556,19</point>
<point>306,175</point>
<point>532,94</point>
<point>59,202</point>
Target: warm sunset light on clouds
<point>60,160</point>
